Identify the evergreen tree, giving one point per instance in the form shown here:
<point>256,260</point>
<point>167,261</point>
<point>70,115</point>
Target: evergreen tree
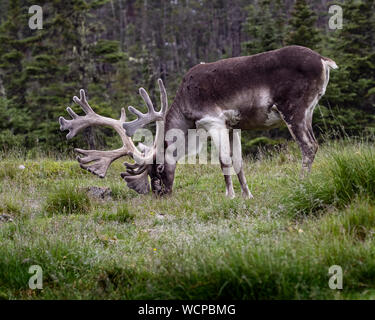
<point>302,26</point>
<point>357,45</point>
<point>15,43</point>
<point>265,26</point>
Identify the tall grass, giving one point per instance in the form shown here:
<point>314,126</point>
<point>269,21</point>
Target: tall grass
<point>346,172</point>
<point>67,198</point>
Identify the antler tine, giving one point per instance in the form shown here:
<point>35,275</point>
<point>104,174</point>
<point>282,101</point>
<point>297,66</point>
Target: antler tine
<point>151,115</point>
<point>82,101</point>
<point>77,124</point>
<point>123,115</point>
<point>147,100</point>
<point>163,97</point>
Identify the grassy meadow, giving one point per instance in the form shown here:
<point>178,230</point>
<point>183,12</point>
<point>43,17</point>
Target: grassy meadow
<point>195,244</point>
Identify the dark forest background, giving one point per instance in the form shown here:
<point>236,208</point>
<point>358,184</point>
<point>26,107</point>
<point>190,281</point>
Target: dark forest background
<point>113,47</point>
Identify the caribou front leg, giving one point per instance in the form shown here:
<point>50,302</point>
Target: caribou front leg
<point>220,137</point>
<point>235,141</point>
<point>219,134</point>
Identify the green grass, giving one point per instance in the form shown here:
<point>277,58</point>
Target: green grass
<point>195,244</point>
<point>67,198</point>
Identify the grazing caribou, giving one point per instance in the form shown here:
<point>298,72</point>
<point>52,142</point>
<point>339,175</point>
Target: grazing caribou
<point>261,91</point>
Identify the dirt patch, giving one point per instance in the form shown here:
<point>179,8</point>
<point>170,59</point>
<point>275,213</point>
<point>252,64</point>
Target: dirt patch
<point>101,193</point>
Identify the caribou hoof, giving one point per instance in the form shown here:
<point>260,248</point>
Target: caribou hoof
<point>247,195</point>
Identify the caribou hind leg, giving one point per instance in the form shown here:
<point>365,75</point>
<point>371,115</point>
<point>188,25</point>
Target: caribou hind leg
<point>300,123</point>
<point>300,127</point>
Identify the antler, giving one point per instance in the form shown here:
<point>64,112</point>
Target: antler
<point>100,160</point>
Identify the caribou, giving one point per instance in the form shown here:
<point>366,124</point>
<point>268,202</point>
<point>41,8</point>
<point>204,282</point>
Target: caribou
<point>258,92</point>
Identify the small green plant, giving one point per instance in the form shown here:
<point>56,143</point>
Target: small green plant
<point>8,170</point>
<point>10,207</point>
<point>353,174</point>
<point>67,199</point>
<point>124,215</point>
